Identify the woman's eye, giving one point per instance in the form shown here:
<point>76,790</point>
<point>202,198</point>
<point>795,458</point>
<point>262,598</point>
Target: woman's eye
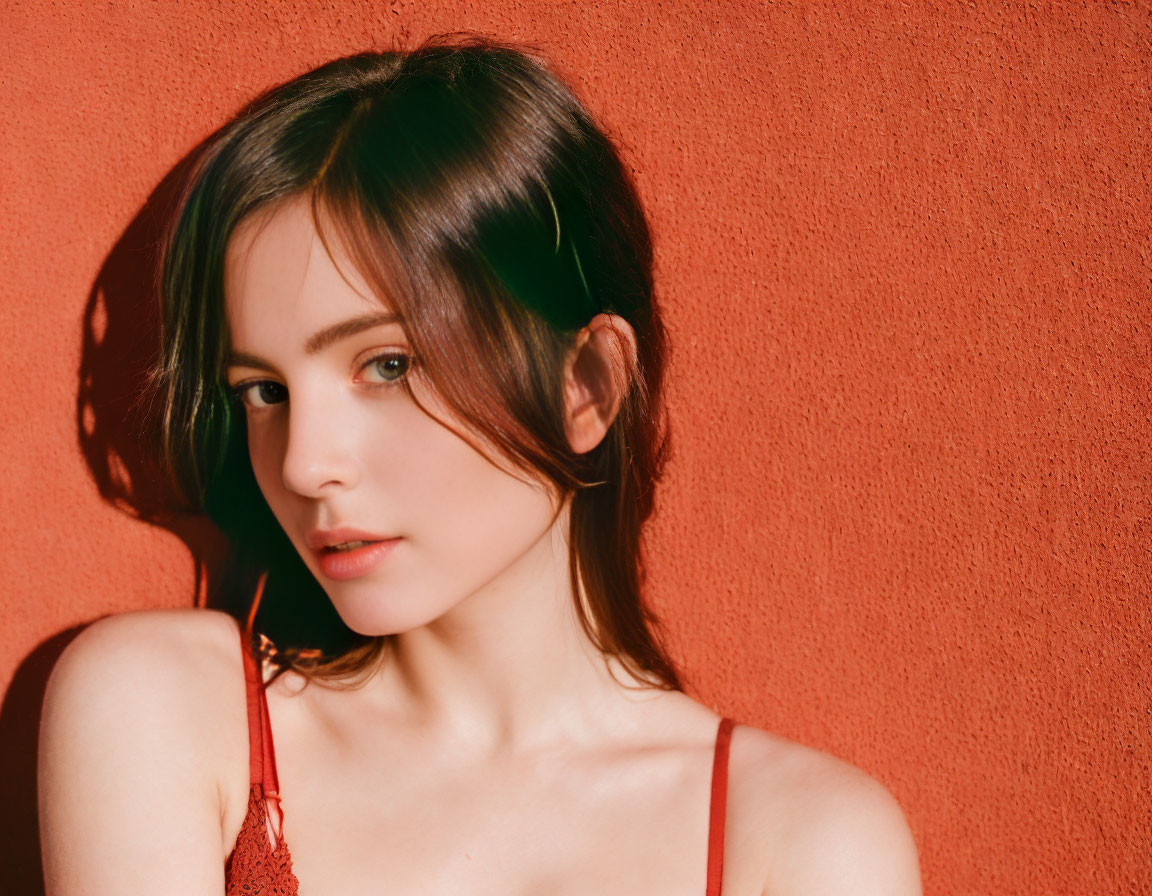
<point>261,394</point>
<point>390,368</point>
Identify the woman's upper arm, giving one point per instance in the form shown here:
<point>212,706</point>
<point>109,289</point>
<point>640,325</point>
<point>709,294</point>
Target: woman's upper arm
<point>129,800</point>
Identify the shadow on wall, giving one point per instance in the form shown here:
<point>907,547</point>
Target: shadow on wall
<point>121,340</point>
<point>120,343</point>
<point>20,871</point>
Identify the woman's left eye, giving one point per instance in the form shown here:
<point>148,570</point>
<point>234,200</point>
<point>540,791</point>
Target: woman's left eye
<point>389,368</point>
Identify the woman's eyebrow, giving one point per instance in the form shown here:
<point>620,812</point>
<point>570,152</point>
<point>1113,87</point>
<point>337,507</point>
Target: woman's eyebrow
<point>317,342</point>
<point>326,337</point>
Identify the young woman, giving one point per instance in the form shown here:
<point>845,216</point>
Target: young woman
<point>412,365</point>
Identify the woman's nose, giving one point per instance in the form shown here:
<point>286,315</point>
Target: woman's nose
<point>319,454</point>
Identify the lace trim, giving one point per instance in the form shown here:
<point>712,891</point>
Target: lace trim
<point>256,867</point>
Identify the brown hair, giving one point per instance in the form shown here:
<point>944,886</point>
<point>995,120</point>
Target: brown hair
<point>474,190</point>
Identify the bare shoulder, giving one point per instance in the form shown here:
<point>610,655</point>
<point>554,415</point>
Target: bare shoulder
<point>150,683</point>
<point>149,655</point>
<point>142,750</point>
<point>806,822</point>
<point>162,629</point>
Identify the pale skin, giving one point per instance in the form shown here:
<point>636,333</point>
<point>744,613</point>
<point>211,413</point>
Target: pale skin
<point>494,752</point>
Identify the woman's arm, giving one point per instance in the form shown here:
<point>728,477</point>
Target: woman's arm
<point>131,749</point>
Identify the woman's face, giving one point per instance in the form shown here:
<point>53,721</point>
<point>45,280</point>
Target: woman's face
<point>398,518</point>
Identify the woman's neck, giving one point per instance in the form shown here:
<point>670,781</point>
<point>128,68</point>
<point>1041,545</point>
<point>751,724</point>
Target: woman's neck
<point>510,668</point>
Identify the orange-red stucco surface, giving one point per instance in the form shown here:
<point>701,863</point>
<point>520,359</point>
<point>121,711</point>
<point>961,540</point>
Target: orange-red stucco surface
<point>904,253</point>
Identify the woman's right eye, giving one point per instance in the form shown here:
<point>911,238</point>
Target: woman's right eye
<point>261,394</point>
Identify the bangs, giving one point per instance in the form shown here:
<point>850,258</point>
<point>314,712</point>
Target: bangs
<point>467,176</point>
<point>458,211</point>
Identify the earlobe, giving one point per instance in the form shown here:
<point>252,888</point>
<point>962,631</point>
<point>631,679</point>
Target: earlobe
<point>597,375</point>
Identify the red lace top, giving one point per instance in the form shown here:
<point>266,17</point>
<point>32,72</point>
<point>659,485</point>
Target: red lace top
<point>260,864</point>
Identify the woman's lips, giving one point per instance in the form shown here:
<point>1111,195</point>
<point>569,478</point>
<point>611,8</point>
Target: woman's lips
<point>351,564</point>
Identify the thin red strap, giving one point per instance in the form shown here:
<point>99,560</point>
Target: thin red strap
<point>261,753</point>
<point>256,712</point>
<point>270,781</point>
<point>718,807</point>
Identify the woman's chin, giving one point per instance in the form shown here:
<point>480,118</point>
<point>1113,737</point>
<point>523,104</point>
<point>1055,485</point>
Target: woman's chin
<point>377,615</point>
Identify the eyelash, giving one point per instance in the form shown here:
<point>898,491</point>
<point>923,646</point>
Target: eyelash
<point>241,390</point>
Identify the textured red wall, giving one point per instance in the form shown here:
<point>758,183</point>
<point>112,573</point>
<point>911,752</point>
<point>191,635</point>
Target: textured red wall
<point>904,253</point>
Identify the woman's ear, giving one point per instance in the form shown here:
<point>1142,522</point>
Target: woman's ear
<point>597,374</point>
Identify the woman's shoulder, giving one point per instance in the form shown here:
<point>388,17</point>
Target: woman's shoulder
<point>173,674</point>
<point>804,821</point>
<point>181,651</point>
<point>144,718</point>
<point>156,681</point>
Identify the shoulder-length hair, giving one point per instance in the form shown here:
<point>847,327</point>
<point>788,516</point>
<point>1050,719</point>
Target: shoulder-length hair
<point>474,191</point>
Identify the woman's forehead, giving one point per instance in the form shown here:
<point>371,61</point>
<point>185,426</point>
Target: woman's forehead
<point>277,263</point>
